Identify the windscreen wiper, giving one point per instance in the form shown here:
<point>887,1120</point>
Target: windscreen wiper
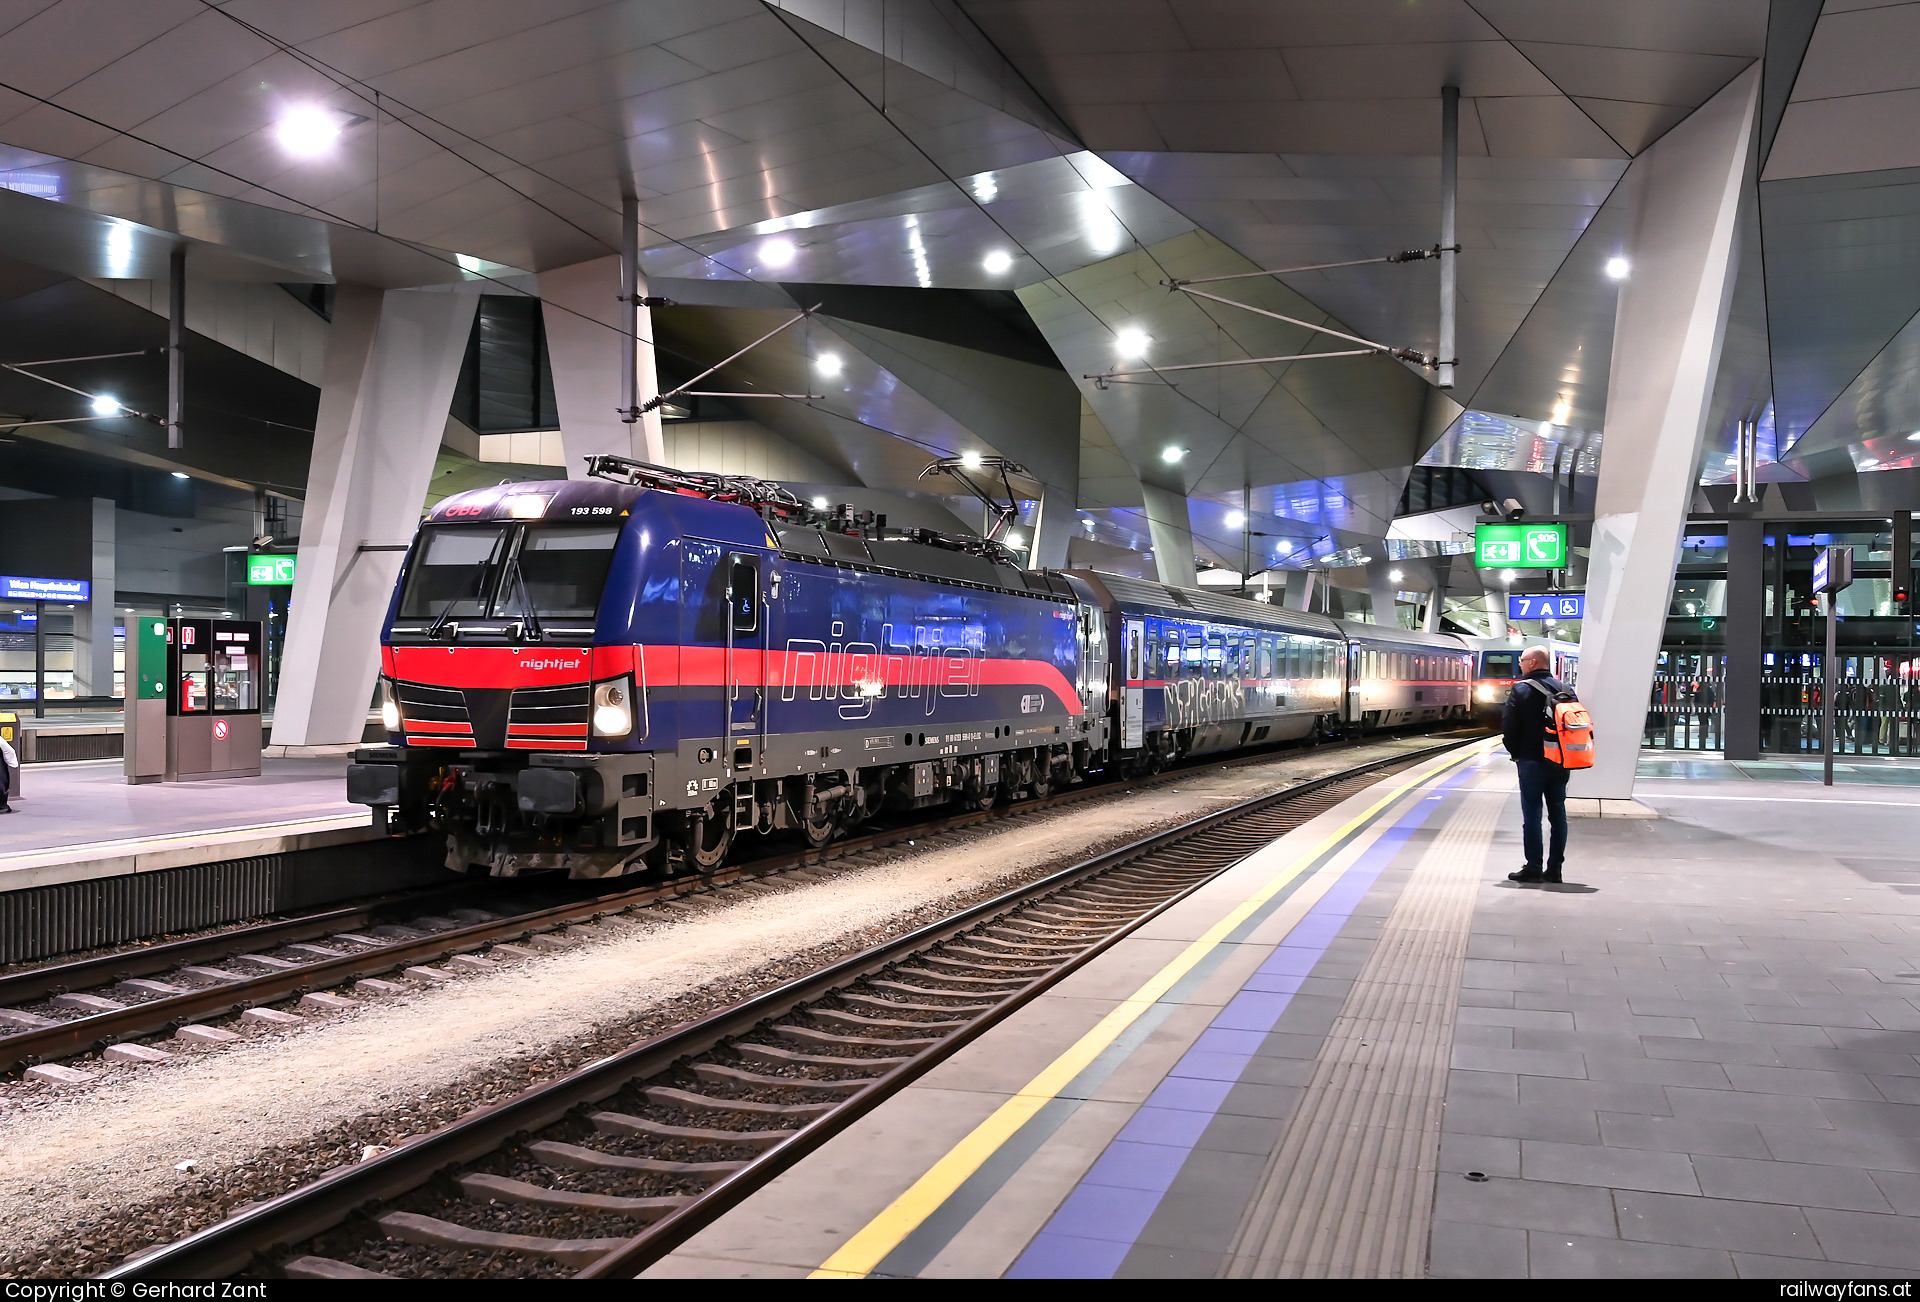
<point>530,619</point>
<point>440,620</point>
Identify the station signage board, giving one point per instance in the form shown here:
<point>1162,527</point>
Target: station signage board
<point>15,588</point>
<point>269,571</point>
<point>1520,546</point>
<point>1832,569</point>
<point>1547,605</point>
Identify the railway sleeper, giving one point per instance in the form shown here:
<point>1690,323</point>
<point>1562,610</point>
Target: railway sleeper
<point>774,1053</point>
<point>575,1157</point>
<point>668,1096</point>
<point>807,1035</point>
<point>721,1075</point>
<point>1006,983</point>
<point>328,1268</point>
<point>994,962</point>
<point>839,1018</point>
<point>901,1005</point>
<point>620,1123</point>
<point>411,1227</point>
<point>498,1188</point>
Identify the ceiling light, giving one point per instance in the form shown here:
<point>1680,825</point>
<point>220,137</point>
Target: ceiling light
<point>819,503</point>
<point>997,263</point>
<point>828,364</point>
<point>1395,575</point>
<point>777,253</point>
<point>307,130</point>
<point>1132,342</point>
<point>105,406</point>
<point>1868,464</point>
<point>985,188</point>
<point>1914,437</point>
<point>1171,455</point>
<point>181,474</point>
<point>1617,268</point>
<point>1363,560</point>
<point>1506,576</point>
<point>970,460</point>
<point>1236,519</point>
<point>119,253</point>
<point>1013,538</point>
<point>1561,410</point>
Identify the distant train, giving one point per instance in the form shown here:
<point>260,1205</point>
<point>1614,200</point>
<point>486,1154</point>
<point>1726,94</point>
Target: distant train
<point>624,673</point>
<point>1497,666</point>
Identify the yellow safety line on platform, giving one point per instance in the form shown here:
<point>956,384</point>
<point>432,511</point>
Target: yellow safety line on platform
<point>859,1255</point>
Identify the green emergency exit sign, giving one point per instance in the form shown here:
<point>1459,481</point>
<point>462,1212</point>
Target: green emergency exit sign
<point>1520,546</point>
<point>264,571</point>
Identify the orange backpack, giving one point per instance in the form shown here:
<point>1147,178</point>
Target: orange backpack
<point>1569,737</point>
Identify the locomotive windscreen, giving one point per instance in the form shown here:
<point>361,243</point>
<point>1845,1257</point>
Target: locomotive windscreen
<point>1500,664</point>
<point>507,571</point>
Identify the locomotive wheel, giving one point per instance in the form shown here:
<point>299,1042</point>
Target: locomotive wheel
<point>707,840</point>
<point>818,833</point>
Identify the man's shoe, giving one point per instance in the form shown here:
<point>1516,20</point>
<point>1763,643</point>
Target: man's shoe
<point>1552,877</point>
<point>1527,875</point>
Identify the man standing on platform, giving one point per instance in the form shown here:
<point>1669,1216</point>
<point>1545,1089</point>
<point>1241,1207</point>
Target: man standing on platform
<point>1526,721</point>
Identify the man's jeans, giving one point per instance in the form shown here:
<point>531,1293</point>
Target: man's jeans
<point>1541,781</point>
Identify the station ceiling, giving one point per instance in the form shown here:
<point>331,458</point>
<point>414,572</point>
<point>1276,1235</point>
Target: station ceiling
<point>1075,152</point>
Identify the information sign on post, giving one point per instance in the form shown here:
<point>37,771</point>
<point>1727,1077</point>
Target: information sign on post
<point>1520,546</point>
<point>1832,574</point>
<point>269,571</point>
<point>15,588</point>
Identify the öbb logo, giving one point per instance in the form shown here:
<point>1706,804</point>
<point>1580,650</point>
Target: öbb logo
<point>463,510</point>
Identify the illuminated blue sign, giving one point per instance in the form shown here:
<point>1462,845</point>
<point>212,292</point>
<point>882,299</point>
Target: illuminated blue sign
<point>1550,605</point>
<point>14,588</point>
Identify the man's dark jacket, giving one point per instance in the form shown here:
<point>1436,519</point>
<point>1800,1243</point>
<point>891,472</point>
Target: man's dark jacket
<point>1527,713</point>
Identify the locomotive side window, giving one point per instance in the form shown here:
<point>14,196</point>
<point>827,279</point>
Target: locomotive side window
<point>452,571</point>
<point>743,594</point>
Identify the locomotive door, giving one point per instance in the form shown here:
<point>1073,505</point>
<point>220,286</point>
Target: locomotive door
<point>1133,692</point>
<point>746,693</point>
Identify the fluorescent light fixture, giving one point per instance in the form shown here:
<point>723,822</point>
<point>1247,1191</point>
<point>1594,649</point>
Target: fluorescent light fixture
<point>1363,560</point>
<point>997,263</point>
<point>181,474</point>
<point>105,406</point>
<point>985,188</point>
<point>1236,519</point>
<point>1132,342</point>
<point>828,364</point>
<point>119,252</point>
<point>1617,268</point>
<point>1561,410</point>
<point>971,460</point>
<point>820,503</point>
<point>468,263</point>
<point>1171,455</point>
<point>307,130</point>
<point>777,253</point>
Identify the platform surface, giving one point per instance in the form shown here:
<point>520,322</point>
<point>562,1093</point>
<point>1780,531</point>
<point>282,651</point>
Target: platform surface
<point>1697,1058</point>
<point>78,820</point>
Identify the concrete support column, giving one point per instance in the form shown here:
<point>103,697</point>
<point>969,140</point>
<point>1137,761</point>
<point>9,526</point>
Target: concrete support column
<point>581,311</point>
<point>1496,603</point>
<point>1668,329</point>
<point>1172,531</point>
<point>93,622</point>
<point>1300,584</point>
<point>392,359</point>
<point>1381,588</point>
<point>1746,603</point>
<point>1438,572</point>
<point>1053,520</point>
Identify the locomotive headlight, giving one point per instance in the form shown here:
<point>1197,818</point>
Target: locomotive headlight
<point>389,708</point>
<point>1484,692</point>
<point>613,708</point>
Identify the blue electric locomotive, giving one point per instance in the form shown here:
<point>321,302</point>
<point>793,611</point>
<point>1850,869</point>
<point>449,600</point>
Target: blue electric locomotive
<point>626,672</point>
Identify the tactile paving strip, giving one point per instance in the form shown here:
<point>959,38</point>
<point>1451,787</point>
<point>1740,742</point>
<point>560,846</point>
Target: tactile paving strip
<point>1349,1192</point>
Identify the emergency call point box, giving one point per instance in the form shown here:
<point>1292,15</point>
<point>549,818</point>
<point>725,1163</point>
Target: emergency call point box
<point>213,698</point>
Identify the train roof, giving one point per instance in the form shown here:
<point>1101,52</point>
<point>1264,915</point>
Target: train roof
<point>1178,601</point>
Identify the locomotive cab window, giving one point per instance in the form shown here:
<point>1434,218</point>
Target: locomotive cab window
<point>562,570</point>
<point>452,569</point>
<point>743,593</point>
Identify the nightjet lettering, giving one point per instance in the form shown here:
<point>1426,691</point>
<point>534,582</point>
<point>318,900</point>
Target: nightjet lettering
<point>550,664</point>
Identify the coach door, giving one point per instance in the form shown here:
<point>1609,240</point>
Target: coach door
<point>1133,691</point>
<point>745,685</point>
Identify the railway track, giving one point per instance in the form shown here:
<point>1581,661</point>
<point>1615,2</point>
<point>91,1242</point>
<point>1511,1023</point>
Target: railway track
<point>602,1171</point>
<point>58,1011</point>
